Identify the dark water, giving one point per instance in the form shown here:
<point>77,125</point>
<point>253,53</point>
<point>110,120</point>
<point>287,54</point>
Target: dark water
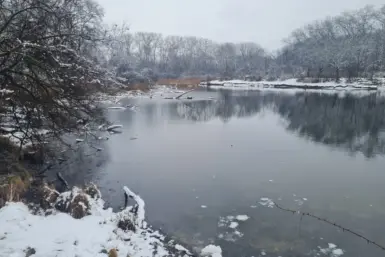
<point>222,153</point>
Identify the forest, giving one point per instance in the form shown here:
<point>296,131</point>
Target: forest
<point>350,45</point>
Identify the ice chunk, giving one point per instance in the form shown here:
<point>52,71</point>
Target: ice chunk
<point>211,251</point>
<point>242,217</point>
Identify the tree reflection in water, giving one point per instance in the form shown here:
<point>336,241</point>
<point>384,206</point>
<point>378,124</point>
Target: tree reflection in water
<point>352,122</point>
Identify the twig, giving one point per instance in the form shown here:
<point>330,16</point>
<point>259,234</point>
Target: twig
<point>331,223</point>
<point>61,179</point>
<point>179,96</point>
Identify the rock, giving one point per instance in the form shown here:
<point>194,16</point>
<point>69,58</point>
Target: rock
<point>79,207</point>
<point>29,252</point>
<point>92,191</point>
<point>126,225</point>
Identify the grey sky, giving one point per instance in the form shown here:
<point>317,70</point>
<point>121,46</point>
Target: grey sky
<point>266,22</point>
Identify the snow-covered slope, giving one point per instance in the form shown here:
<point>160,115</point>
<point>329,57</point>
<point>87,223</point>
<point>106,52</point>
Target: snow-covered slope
<point>102,232</point>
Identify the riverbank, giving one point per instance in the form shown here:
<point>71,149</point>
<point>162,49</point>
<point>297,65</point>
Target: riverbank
<point>37,220</point>
<point>76,223</point>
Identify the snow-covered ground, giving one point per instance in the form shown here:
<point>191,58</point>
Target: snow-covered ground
<point>100,233</point>
<point>361,84</point>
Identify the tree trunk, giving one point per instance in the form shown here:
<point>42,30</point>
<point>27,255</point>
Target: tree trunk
<point>337,74</point>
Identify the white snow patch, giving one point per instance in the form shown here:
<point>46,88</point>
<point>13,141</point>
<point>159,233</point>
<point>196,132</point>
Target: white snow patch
<point>61,235</point>
<point>331,251</point>
<point>6,91</point>
<point>113,127</point>
<point>101,126</point>
<point>290,83</point>
<point>212,251</point>
<point>181,248</point>
<point>116,108</point>
<point>337,252</point>
<point>140,203</point>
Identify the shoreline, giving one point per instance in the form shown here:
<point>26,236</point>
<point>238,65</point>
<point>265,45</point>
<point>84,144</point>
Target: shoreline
<point>343,84</point>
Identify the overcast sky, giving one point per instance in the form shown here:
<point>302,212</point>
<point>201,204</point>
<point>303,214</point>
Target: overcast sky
<point>266,22</point>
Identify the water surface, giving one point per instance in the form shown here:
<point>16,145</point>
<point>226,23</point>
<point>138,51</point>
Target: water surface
<point>225,150</point>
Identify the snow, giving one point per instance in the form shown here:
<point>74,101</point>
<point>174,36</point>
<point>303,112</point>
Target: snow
<point>266,202</point>
<point>229,225</point>
<point>116,108</point>
<point>140,203</point>
<point>242,217</point>
<point>181,248</point>
<point>61,235</point>
<point>212,251</point>
<point>337,252</point>
<point>112,127</point>
<point>78,140</point>
<point>331,251</point>
<point>6,91</point>
<point>291,83</point>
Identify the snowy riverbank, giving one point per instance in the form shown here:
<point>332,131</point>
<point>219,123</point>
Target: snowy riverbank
<point>101,232</point>
<point>293,83</point>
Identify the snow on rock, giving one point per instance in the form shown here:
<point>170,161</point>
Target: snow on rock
<point>212,251</point>
<point>140,207</point>
<point>59,234</point>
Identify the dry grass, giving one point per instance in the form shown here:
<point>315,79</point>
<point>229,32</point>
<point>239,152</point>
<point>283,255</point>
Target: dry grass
<point>180,83</point>
<point>13,187</point>
<point>140,86</point>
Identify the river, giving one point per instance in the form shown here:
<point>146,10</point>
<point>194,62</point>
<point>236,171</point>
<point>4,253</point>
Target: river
<point>195,162</point>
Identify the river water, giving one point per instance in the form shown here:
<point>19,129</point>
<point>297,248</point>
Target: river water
<point>195,162</point>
